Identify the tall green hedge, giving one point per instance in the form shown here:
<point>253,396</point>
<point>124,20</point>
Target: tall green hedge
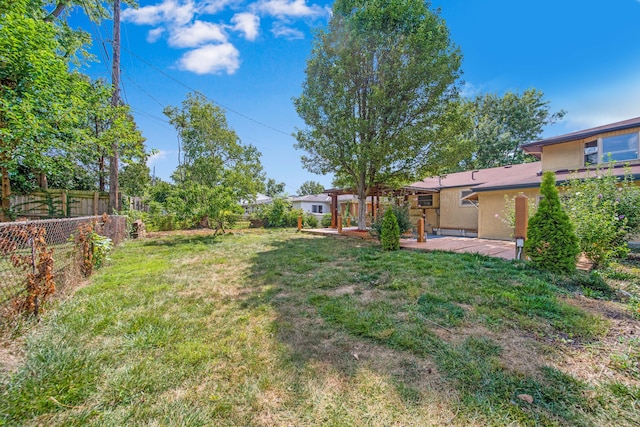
<point>551,242</point>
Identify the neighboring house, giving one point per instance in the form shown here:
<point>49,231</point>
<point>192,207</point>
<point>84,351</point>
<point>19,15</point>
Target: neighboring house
<point>252,206</point>
<point>316,205</point>
<point>472,203</point>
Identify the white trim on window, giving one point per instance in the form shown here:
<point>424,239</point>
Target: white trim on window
<point>620,148</point>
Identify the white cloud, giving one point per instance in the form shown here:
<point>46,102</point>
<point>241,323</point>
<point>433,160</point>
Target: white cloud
<point>211,59</point>
<point>155,34</point>
<point>289,8</point>
<point>280,29</point>
<point>214,6</point>
<point>197,34</point>
<point>177,12</point>
<point>247,23</point>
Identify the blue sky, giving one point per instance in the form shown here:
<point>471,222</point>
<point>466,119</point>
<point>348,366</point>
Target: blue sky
<point>249,57</point>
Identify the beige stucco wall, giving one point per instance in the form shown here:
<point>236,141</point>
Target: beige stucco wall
<point>563,156</point>
<point>431,213</point>
<point>492,203</point>
<point>452,215</point>
<point>570,155</point>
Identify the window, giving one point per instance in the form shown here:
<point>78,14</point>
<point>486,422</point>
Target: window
<point>612,148</point>
<point>316,209</point>
<point>463,201</point>
<point>425,201</point>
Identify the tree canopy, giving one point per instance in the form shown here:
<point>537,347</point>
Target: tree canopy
<point>216,170</point>
<point>378,99</point>
<point>310,187</point>
<point>502,123</point>
<point>54,121</point>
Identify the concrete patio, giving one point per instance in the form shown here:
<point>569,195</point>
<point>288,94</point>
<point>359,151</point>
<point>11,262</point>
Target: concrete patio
<point>493,248</point>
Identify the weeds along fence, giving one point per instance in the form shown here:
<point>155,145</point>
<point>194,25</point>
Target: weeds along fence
<point>36,256</point>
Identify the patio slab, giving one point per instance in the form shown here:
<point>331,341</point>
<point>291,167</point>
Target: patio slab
<point>493,248</point>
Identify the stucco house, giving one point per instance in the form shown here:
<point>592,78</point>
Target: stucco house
<point>251,206</point>
<point>314,204</point>
<point>471,203</point>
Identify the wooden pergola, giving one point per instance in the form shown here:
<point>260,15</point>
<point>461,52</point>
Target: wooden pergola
<point>375,193</point>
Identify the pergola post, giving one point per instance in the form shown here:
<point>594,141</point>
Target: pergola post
<point>334,210</point>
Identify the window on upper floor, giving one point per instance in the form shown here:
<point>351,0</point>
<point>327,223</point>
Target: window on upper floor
<point>612,148</point>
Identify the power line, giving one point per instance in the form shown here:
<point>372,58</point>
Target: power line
<point>213,101</point>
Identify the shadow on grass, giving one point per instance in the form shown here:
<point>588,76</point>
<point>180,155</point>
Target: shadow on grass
<point>180,240</point>
<point>407,315</point>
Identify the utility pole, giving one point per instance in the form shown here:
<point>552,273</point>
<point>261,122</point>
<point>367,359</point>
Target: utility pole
<point>114,199</point>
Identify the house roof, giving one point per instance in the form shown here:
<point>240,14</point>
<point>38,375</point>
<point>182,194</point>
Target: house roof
<point>532,181</point>
<point>520,174</point>
<point>536,146</point>
<point>319,198</point>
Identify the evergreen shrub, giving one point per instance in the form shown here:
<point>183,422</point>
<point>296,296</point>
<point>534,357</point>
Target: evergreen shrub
<point>551,242</point>
<point>390,233</point>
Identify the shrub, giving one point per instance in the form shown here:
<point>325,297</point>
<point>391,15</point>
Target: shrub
<point>403,219</point>
<point>279,213</point>
<point>326,220</point>
<point>603,209</point>
<point>551,242</point>
<point>390,233</point>
<point>309,221</point>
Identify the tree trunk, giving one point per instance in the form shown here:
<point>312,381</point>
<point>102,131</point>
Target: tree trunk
<point>362,207</point>
<point>42,181</point>
<point>101,182</point>
<point>6,196</point>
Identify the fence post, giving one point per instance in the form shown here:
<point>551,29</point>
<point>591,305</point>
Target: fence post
<point>522,222</point>
<point>421,230</point>
<point>299,222</point>
<point>63,197</point>
<point>339,224</point>
<point>95,203</point>
<point>32,242</point>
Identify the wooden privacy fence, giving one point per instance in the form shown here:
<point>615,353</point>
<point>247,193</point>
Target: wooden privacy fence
<point>60,204</point>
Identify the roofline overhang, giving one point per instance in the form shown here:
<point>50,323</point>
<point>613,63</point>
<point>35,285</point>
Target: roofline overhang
<point>536,146</point>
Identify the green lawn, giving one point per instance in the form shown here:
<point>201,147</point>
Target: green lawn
<point>258,328</point>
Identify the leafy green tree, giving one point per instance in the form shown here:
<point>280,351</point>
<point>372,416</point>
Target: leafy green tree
<point>135,178</point>
<point>604,210</point>
<point>310,187</point>
<point>379,96</point>
<point>501,124</point>
<point>40,100</point>
<point>390,232</point>
<point>273,188</point>
<point>551,242</point>
<point>217,171</point>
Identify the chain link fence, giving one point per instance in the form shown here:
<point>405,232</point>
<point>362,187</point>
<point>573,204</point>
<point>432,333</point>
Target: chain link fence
<point>21,245</point>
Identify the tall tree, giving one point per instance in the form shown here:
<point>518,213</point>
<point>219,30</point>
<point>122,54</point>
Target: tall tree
<point>501,124</point>
<point>310,187</point>
<point>378,96</point>
<point>217,171</point>
<point>40,100</point>
<point>274,188</point>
